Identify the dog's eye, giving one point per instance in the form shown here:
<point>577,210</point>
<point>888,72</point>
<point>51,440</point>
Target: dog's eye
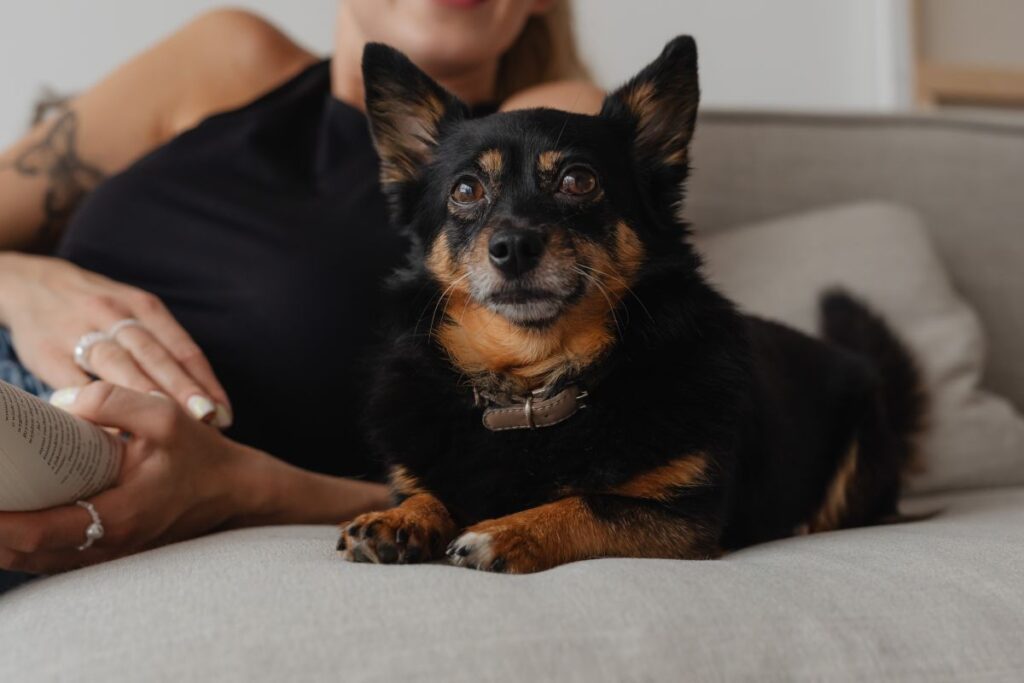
<point>577,181</point>
<point>467,190</point>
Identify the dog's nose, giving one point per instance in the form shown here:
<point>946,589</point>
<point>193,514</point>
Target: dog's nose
<point>515,252</point>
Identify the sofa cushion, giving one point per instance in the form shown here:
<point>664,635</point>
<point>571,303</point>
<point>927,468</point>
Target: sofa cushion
<point>882,253</point>
<point>930,601</point>
<point>962,172</point>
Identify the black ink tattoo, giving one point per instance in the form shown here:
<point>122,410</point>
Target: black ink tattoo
<point>71,178</point>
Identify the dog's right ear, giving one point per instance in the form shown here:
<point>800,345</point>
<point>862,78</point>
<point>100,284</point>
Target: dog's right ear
<point>407,111</point>
<point>659,107</point>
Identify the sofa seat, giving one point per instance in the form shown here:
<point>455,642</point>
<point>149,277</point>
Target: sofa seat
<point>935,600</point>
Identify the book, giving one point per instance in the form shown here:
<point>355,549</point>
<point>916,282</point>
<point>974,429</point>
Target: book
<point>49,457</point>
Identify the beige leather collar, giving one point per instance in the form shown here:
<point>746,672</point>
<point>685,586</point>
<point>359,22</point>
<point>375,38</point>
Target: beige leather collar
<point>532,412</point>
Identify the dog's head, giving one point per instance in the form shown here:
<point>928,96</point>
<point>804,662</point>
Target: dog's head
<point>532,214</point>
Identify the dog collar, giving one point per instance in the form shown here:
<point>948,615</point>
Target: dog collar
<point>531,412</point>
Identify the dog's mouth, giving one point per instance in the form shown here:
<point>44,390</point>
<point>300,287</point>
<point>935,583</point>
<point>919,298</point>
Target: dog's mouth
<point>532,297</point>
<point>526,305</point>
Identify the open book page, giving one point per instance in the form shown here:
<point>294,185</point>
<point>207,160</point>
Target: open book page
<point>49,457</point>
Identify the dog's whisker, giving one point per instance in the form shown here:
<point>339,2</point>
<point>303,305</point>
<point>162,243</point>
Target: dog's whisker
<point>604,292</point>
<point>445,294</point>
<point>625,286</point>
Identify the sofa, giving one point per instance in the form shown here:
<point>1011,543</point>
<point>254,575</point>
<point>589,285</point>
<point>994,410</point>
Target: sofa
<point>940,599</point>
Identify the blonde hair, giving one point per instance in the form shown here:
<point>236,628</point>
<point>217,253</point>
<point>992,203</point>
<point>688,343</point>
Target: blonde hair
<point>545,51</point>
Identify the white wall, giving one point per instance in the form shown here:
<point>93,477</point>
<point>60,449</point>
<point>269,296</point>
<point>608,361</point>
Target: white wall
<point>810,54</point>
<point>68,44</point>
<point>806,54</point>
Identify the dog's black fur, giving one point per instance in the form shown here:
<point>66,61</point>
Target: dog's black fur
<point>705,429</point>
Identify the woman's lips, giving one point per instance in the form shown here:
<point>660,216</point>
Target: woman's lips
<point>463,4</point>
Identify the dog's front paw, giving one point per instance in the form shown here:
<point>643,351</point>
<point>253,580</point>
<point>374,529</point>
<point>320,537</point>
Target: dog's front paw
<point>395,536</point>
<point>499,548</point>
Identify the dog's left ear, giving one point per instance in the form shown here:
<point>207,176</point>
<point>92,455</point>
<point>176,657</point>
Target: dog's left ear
<point>660,107</point>
<point>407,112</point>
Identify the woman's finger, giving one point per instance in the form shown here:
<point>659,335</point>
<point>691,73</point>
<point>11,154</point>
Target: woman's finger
<point>113,363</point>
<point>145,415</point>
<point>167,372</point>
<point>60,371</point>
<point>57,529</point>
<point>152,313</point>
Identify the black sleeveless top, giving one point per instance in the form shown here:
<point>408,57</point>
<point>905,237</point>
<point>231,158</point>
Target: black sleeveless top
<point>264,232</point>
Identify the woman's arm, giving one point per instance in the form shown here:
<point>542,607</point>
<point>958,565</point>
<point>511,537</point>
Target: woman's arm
<point>219,61</point>
<point>179,479</point>
<point>581,97</point>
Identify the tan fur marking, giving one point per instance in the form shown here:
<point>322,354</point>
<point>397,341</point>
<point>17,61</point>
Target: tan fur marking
<point>661,483</point>
<point>547,162</point>
<point>567,531</point>
<point>405,133</point>
<point>440,262</point>
<point>481,342</point>
<point>630,251</point>
<point>659,129</point>
<point>640,100</point>
<point>403,482</point>
<point>830,515</point>
<point>491,162</point>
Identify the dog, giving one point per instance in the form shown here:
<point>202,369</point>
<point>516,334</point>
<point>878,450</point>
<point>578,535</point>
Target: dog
<point>561,383</point>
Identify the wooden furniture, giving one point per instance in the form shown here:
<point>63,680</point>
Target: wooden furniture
<point>968,53</point>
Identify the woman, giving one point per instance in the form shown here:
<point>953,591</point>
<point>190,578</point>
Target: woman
<point>236,247</point>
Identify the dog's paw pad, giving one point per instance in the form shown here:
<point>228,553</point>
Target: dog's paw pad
<point>394,536</point>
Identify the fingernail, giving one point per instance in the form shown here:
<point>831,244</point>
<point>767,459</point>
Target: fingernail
<point>201,408</point>
<point>224,417</point>
<point>65,398</point>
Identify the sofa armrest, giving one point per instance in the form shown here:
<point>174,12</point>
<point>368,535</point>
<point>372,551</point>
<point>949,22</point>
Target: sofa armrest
<point>965,177</point>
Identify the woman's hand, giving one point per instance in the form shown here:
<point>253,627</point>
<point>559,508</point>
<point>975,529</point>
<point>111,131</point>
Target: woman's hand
<point>49,303</point>
<point>179,479</point>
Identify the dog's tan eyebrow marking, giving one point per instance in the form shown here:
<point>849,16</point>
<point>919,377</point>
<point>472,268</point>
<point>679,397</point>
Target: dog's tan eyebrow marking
<point>491,162</point>
<point>547,162</point>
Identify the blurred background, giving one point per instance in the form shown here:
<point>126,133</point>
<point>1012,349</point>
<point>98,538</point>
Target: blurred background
<point>862,55</point>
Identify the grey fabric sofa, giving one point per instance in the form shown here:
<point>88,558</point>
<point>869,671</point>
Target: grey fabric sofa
<point>938,600</point>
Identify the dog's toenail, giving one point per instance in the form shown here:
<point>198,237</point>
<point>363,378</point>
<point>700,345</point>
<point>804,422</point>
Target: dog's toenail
<point>401,537</point>
<point>342,543</point>
<point>462,550</point>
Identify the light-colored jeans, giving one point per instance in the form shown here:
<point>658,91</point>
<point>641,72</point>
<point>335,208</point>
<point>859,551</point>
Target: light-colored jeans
<point>13,372</point>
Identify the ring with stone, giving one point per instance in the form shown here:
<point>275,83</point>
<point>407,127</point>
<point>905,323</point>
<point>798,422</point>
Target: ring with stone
<point>84,346</point>
<point>95,531</point>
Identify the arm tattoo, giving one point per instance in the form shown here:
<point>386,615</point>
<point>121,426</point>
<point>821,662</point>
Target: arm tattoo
<point>70,178</point>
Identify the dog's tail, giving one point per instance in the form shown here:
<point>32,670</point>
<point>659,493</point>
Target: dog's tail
<point>850,324</point>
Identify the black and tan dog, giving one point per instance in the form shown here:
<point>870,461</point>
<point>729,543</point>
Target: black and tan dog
<point>564,384</point>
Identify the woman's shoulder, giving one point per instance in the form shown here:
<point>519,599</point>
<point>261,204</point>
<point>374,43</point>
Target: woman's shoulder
<point>233,56</point>
<point>579,96</point>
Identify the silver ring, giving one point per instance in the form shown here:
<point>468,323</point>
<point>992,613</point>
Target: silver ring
<point>95,531</point>
<point>84,345</point>
<point>120,325</point>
